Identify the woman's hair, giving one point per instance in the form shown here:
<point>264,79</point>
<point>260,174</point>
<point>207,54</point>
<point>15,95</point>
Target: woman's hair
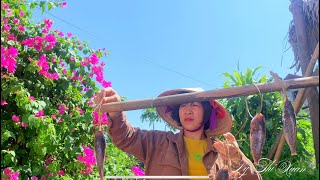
<point>207,113</point>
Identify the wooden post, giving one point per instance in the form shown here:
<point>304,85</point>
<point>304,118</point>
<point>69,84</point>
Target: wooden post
<point>303,53</point>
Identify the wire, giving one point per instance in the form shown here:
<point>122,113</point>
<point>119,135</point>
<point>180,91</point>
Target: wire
<point>70,24</point>
<point>186,76</point>
<point>161,66</point>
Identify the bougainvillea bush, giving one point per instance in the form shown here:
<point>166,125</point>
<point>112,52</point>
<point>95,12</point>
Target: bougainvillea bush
<point>48,78</point>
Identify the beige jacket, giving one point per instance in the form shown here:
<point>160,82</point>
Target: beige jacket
<point>163,153</point>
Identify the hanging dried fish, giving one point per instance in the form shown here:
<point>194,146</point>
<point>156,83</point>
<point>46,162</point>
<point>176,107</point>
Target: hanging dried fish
<point>100,150</point>
<point>223,173</point>
<point>257,136</point>
<point>289,126</point>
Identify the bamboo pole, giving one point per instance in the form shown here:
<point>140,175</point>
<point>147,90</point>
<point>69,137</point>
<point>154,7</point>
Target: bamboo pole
<point>209,95</point>
<point>300,98</point>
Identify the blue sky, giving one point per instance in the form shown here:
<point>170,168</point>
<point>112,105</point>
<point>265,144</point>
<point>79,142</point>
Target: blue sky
<point>161,45</point>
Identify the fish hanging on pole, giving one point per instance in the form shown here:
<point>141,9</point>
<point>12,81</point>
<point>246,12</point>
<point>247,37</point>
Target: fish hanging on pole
<point>100,150</point>
<point>289,126</point>
<point>100,146</point>
<point>257,136</point>
<point>289,120</point>
<point>257,131</point>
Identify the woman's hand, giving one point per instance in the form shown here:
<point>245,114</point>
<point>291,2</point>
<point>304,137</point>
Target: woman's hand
<point>106,95</point>
<point>228,150</point>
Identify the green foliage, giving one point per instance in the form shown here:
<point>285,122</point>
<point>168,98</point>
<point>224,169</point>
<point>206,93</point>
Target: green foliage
<point>118,162</point>
<point>150,115</point>
<point>272,110</point>
<point>39,145</point>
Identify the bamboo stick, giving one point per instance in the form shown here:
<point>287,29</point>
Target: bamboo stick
<point>274,147</point>
<point>300,98</point>
<point>209,95</point>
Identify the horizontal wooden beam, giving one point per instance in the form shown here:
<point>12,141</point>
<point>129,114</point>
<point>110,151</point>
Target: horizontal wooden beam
<point>210,95</point>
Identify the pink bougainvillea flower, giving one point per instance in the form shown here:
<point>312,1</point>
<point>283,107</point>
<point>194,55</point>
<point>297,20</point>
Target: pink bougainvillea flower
<point>7,171</point>
<point>81,111</point>
<point>53,116</point>
<point>16,20</point>
<point>72,59</point>
<point>64,70</point>
<point>21,13</point>
<point>137,171</point>
<point>9,13</point>
<point>3,102</point>
<point>88,160</point>
<point>106,84</point>
<point>50,41</point>
<point>61,34</point>
<point>11,37</point>
<point>8,60</point>
<point>69,34</point>
<point>6,27</point>
<point>60,121</point>
<point>63,4</point>
<point>80,47</point>
<point>104,119</point>
<point>39,114</point>
<point>21,28</point>
<point>34,178</point>
<point>12,175</point>
<point>5,6</point>
<point>94,58</point>
<point>24,125</point>
<point>31,98</point>
<point>15,118</point>
<point>62,108</point>
<point>60,172</point>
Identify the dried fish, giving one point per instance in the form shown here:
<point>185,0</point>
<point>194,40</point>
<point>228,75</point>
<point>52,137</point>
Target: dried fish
<point>100,149</point>
<point>257,136</point>
<point>289,126</point>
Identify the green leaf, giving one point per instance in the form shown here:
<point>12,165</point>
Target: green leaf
<point>41,104</point>
<point>89,93</point>
<point>229,76</point>
<point>65,85</point>
<point>23,7</point>
<point>237,75</point>
<point>43,6</point>
<point>248,76</point>
<point>33,5</point>
<point>257,68</point>
<point>50,5</point>
<point>33,121</point>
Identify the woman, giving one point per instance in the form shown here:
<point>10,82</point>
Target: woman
<point>191,152</point>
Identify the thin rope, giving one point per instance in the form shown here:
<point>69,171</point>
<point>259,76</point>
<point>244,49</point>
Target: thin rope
<point>247,107</point>
<point>261,97</point>
<point>99,117</point>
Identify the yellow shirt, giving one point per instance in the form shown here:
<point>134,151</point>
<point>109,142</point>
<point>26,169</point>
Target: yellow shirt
<point>196,149</point>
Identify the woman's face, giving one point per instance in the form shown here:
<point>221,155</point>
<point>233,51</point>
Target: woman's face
<point>191,116</point>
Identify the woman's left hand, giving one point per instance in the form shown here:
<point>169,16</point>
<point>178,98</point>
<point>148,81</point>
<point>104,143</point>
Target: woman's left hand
<point>228,150</point>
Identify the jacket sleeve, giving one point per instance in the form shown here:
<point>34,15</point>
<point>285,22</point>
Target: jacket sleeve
<point>132,140</point>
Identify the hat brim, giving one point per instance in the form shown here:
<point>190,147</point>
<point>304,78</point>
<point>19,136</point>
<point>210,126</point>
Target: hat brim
<point>224,124</point>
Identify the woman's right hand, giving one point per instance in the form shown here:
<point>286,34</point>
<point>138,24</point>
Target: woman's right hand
<point>107,95</point>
